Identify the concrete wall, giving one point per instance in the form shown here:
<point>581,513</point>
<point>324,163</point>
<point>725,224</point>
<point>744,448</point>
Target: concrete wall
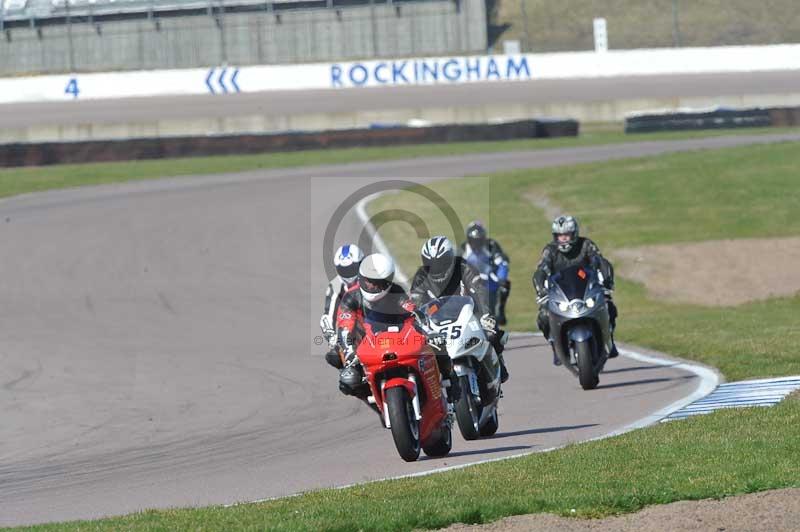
<point>416,28</point>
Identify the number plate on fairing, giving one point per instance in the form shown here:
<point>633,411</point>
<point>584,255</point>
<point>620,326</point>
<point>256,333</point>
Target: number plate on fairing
<point>473,384</point>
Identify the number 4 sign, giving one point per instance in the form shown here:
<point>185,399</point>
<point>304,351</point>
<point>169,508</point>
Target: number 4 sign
<point>72,88</point>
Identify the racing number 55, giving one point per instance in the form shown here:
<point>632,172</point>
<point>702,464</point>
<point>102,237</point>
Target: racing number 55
<point>452,332</point>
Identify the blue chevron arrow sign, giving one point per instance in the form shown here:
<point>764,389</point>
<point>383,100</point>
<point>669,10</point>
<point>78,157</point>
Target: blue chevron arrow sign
<point>223,81</point>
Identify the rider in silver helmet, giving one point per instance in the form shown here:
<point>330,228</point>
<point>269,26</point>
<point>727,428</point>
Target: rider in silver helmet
<point>568,249</point>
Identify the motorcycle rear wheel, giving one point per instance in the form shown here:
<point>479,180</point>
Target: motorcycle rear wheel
<point>405,427</point>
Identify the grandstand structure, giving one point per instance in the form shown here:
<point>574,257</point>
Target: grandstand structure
<point>63,36</point>
<point>56,11</point>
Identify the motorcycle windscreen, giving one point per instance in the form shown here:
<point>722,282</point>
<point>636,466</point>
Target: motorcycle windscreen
<point>447,309</point>
<point>573,281</point>
<point>481,262</point>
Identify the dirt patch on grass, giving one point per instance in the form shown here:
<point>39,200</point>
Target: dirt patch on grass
<point>718,272</point>
<point>777,511</point>
<point>712,273</point>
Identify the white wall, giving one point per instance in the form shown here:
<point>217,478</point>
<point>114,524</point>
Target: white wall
<point>410,71</point>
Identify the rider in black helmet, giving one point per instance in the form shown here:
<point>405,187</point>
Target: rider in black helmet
<point>478,250</point>
<point>568,249</point>
<point>444,274</point>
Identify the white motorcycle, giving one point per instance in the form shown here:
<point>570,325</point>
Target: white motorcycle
<point>475,361</point>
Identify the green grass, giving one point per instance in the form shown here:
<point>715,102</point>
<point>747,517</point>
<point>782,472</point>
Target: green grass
<point>694,196</point>
<point>726,453</point>
<point>15,181</point>
<point>567,24</point>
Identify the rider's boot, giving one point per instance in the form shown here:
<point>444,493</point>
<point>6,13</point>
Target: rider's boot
<point>503,369</point>
<point>613,353</point>
<point>502,297</point>
<point>498,341</point>
<point>332,357</point>
<point>351,377</point>
<point>612,311</point>
<point>556,360</point>
<point>454,390</point>
<point>448,371</point>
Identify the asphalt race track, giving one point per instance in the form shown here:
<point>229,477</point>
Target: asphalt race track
<point>157,344</point>
<point>280,103</point>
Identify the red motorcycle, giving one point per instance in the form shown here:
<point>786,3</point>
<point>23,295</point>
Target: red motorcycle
<point>406,388</point>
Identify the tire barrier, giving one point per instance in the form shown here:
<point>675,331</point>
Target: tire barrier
<point>717,119</point>
<point>49,153</point>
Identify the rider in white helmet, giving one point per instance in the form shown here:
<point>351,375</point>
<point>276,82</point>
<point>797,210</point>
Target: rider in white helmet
<point>382,303</point>
<point>347,260</point>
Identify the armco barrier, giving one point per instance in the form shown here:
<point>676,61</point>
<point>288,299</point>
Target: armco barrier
<point>37,154</point>
<point>718,119</point>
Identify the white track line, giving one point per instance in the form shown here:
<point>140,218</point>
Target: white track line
<point>361,212</point>
<point>709,380</point>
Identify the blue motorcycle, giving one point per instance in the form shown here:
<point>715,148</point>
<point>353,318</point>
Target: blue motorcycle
<point>495,277</point>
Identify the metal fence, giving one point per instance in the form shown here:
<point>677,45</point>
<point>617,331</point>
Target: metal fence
<point>241,35</point>
<point>11,10</point>
<point>566,25</point>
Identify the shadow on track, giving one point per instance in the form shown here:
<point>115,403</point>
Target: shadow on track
<point>644,381</point>
<point>638,368</point>
<point>524,346</point>
<point>486,451</point>
<point>544,430</point>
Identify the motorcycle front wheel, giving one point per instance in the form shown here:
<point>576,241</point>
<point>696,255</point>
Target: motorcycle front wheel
<point>491,425</point>
<point>441,447</point>
<point>587,375</point>
<point>468,413</point>
<point>405,427</point>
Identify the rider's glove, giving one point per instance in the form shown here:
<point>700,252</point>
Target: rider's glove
<point>504,338</point>
<point>488,322</point>
<point>327,329</point>
<point>419,316</point>
<point>350,358</point>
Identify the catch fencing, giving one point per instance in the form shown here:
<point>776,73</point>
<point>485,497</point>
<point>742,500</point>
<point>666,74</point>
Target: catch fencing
<point>262,33</point>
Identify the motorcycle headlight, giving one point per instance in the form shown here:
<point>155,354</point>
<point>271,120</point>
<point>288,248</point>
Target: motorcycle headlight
<point>563,307</point>
<point>590,303</point>
<point>577,306</point>
<point>472,342</point>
